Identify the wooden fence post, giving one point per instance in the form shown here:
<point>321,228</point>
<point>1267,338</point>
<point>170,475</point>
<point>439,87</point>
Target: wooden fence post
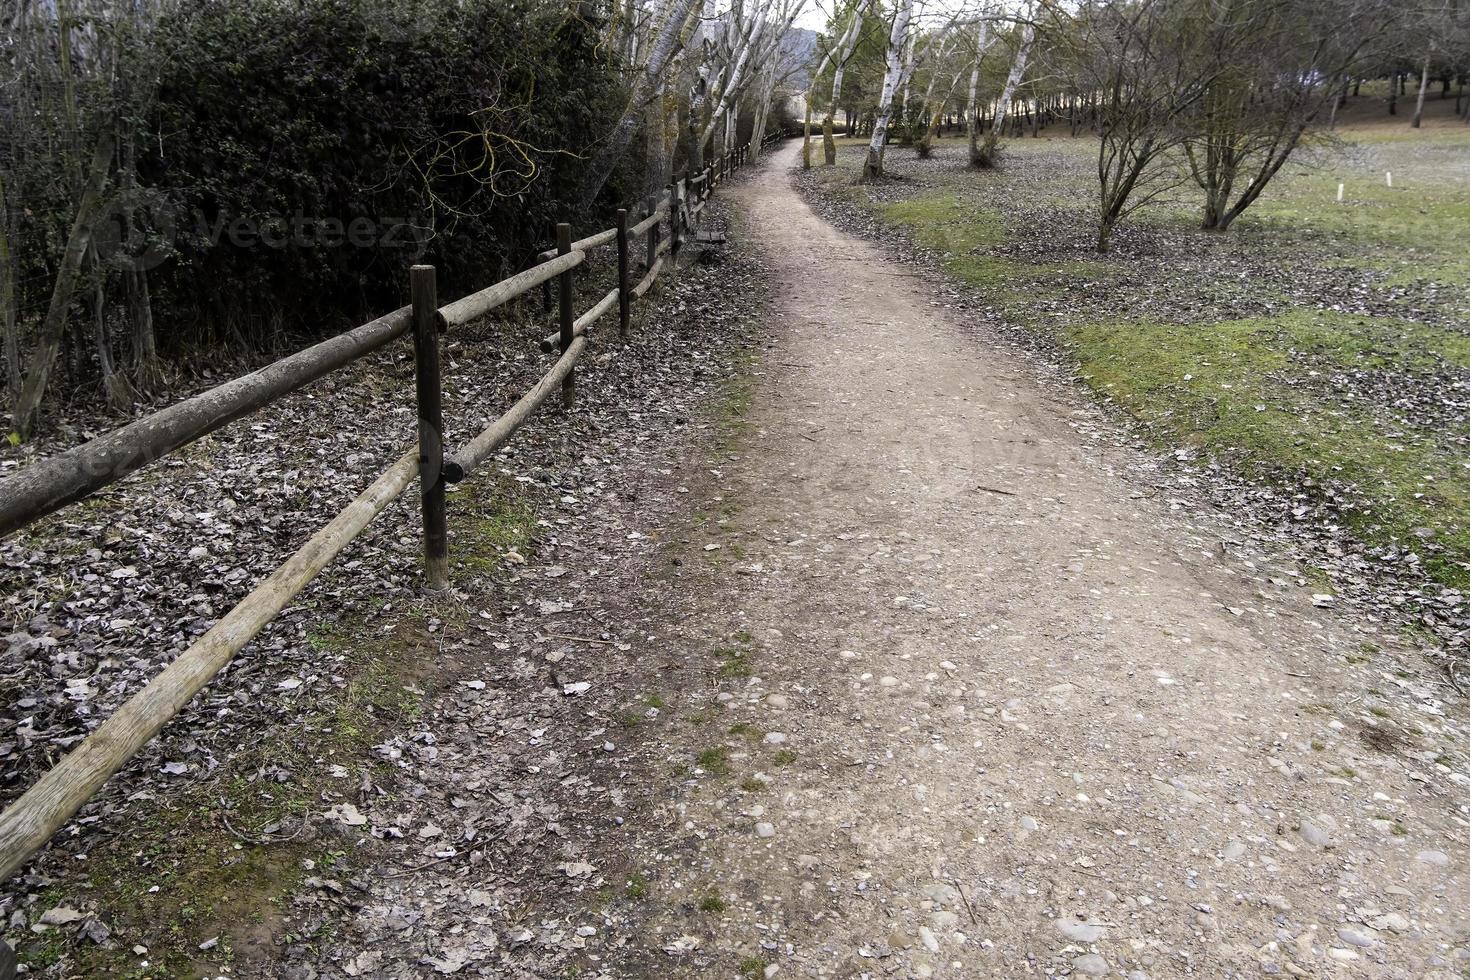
<point>563,246</point>
<point>674,216</point>
<point>546,296</point>
<point>652,236</point>
<point>426,324</point>
<point>624,300</point>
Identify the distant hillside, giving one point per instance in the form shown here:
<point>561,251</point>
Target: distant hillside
<point>801,48</point>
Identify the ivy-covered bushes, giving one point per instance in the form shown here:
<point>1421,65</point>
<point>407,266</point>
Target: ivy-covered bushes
<point>305,153</point>
<point>205,177</point>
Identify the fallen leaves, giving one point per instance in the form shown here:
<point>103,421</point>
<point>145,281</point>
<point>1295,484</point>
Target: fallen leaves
<point>500,746</point>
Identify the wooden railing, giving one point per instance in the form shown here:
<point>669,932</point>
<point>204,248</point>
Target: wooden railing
<point>49,484</point>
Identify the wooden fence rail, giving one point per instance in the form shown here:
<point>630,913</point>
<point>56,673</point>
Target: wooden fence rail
<point>47,485</point>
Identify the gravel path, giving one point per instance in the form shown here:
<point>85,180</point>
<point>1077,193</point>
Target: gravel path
<point>1040,727</point>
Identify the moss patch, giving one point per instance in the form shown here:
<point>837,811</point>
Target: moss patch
<point>219,860</point>
<point>491,525</point>
<point>1259,392</point>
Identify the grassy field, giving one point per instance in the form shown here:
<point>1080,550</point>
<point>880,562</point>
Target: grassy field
<point>1321,346</point>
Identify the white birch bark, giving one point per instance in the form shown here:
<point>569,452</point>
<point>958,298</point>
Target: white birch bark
<point>838,57</point>
<point>972,107</point>
<point>1423,87</point>
<point>668,37</point>
<point>1013,80</point>
<point>897,42</point>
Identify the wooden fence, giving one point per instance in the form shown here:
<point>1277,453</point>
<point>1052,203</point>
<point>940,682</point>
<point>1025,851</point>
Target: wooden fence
<point>49,484</point>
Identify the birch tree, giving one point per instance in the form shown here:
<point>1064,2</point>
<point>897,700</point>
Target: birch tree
<point>972,105</point>
<point>668,35</point>
<point>758,36</point>
<point>1423,87</point>
<point>839,71</point>
<point>898,39</point>
<point>931,113</point>
<point>987,155</point>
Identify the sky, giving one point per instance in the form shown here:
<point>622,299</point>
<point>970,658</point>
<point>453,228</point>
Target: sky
<point>814,17</point>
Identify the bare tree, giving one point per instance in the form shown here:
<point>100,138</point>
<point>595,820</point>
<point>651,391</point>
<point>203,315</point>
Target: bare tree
<point>1146,63</point>
<point>862,16</point>
<point>63,290</point>
<point>9,314</point>
<point>932,112</point>
<point>1271,69</point>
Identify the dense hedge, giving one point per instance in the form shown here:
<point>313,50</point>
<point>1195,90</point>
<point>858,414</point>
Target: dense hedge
<point>454,129</point>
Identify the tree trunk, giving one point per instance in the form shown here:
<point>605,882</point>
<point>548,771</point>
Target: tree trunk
<point>843,52</point>
<point>806,138</point>
<point>897,41</point>
<point>988,150</point>
<point>9,314</point>
<point>1423,86</point>
<point>147,369</point>
<point>906,76</point>
<point>1336,104</point>
<point>1269,169</point>
<point>63,290</point>
<point>925,143</point>
<point>972,111</point>
<point>114,386</point>
<point>829,143</point>
<point>656,165</point>
<point>665,46</point>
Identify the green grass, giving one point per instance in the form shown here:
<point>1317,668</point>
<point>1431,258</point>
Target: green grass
<point>490,524</point>
<point>749,732</point>
<point>1222,387</point>
<point>219,870</point>
<point>733,664</point>
<point>715,761</point>
<point>942,222</point>
<point>1413,230</point>
<point>1259,393</point>
<point>752,967</point>
<point>966,235</point>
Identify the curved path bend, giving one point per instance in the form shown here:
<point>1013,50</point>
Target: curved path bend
<point>1041,726</point>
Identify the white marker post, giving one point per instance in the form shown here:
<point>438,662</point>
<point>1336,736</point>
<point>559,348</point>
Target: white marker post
<point>1339,193</point>
<point>1388,176</point>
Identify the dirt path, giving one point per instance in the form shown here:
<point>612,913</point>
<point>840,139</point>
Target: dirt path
<point>1017,720</point>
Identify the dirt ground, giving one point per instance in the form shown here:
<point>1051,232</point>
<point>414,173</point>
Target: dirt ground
<point>913,676</point>
<point>1041,727</point>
